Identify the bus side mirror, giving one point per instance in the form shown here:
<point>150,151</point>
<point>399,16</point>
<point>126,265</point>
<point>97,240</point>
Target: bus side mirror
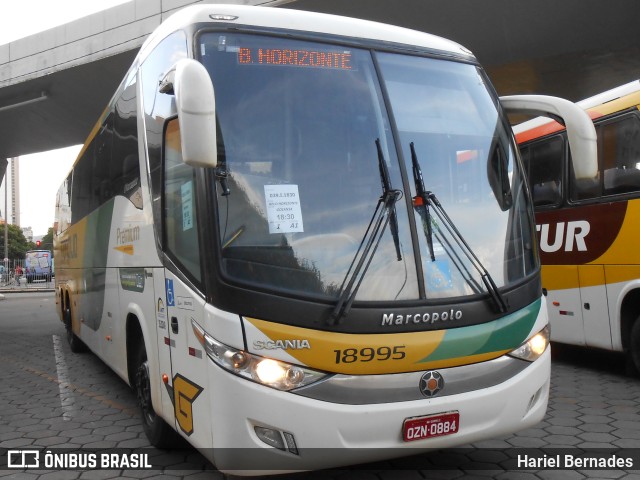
<point>191,84</point>
<point>580,130</point>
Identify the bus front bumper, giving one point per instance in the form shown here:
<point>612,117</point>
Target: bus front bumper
<point>320,434</point>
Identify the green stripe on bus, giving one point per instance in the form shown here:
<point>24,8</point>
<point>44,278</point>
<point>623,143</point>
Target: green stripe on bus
<point>506,333</point>
<point>97,234</point>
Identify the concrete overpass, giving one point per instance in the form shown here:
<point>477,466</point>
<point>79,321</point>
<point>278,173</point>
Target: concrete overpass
<point>54,85</point>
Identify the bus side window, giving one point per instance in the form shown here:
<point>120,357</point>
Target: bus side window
<point>83,199</point>
<point>102,188</point>
<point>586,188</point>
<point>63,206</point>
<point>179,213</point>
<point>621,155</point>
<point>158,107</point>
<point>543,161</point>
<point>125,167</point>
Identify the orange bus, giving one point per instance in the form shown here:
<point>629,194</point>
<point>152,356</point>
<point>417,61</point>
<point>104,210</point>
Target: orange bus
<point>588,228</point>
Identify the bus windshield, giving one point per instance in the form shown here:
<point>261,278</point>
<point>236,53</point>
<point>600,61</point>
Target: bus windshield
<point>304,131</point>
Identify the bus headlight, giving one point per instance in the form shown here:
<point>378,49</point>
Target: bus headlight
<point>266,371</point>
<point>534,347</point>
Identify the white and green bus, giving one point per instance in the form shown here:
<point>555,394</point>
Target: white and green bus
<point>308,239</point>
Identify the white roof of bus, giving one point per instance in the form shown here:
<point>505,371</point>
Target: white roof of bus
<point>587,103</point>
<point>303,21</point>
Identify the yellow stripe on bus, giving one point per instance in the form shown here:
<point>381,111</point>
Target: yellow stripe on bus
<point>617,105</point>
<point>565,277</point>
<point>559,277</point>
<point>619,263</point>
<point>342,352</point>
<point>372,354</point>
<point>624,249</point>
<point>622,273</point>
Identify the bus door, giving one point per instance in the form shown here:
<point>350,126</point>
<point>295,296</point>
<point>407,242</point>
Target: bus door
<point>559,240</point>
<point>595,308</point>
<point>577,304</point>
<point>184,306</point>
<point>188,376</point>
<point>564,304</point>
<point>162,298</point>
<point>577,293</point>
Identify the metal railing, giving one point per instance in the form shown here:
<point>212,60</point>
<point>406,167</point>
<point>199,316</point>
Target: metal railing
<point>13,276</point>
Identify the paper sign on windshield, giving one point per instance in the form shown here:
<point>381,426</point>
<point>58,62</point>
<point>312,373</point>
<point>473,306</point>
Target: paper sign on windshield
<point>283,208</point>
<point>186,192</point>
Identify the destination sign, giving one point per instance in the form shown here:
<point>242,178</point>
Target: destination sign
<point>295,58</point>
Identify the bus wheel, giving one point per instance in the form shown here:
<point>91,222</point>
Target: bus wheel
<point>634,347</point>
<point>159,433</point>
<point>76,345</point>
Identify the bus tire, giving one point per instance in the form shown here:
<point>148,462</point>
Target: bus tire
<point>159,433</point>
<point>634,347</point>
<point>75,344</point>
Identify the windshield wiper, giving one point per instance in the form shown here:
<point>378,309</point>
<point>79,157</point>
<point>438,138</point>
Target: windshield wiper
<point>370,241</point>
<point>387,190</point>
<point>421,203</point>
<point>424,198</point>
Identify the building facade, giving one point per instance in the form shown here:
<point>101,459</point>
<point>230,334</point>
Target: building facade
<point>14,191</point>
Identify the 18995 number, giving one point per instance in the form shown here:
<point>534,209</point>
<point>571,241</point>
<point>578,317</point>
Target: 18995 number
<point>368,354</point>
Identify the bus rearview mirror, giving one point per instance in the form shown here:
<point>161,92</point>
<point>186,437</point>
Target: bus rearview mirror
<point>191,84</point>
<point>580,130</point>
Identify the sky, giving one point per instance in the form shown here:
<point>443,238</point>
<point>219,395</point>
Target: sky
<point>41,174</point>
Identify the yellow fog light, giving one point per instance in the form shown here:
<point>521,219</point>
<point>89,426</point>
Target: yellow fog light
<point>271,437</point>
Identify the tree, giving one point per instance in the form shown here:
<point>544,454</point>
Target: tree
<point>18,244</point>
<point>47,241</point>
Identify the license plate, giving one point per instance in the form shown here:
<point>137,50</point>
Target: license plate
<point>438,425</point>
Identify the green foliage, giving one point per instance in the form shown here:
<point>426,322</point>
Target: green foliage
<point>47,241</point>
<point>18,244</point>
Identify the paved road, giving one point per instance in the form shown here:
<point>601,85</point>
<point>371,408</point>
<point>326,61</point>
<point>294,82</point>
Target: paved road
<point>51,398</point>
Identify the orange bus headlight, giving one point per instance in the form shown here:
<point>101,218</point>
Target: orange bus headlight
<point>266,371</point>
<point>534,347</point>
